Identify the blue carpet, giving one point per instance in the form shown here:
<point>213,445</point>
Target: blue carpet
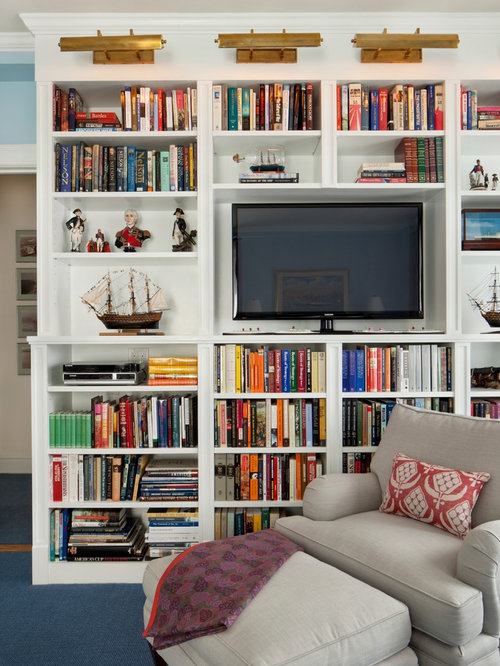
<point>15,508</point>
<point>56,625</point>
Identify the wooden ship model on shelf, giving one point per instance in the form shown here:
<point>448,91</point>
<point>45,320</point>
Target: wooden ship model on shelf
<point>127,301</point>
<point>486,298</point>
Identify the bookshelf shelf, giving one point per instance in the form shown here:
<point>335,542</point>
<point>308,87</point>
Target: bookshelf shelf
<point>198,285</point>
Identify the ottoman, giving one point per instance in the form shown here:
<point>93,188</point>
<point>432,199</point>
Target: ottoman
<point>308,614</point>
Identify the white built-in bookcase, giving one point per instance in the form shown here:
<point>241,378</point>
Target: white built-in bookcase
<point>197,285</point>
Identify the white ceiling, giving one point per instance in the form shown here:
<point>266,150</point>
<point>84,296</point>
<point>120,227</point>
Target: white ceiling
<point>10,9</point>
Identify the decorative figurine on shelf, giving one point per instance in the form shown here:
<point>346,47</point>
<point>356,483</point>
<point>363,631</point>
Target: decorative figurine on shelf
<point>131,237</point>
<point>477,177</point>
<point>76,226</point>
<point>183,238</point>
<point>99,244</point>
<point>494,181</point>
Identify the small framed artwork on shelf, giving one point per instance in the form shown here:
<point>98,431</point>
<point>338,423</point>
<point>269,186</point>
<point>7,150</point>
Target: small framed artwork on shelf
<point>26,284</point>
<point>481,229</point>
<point>26,320</point>
<point>23,358</point>
<point>25,246</point>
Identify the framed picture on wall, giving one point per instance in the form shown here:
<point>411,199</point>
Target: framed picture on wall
<point>26,284</point>
<point>23,358</point>
<point>26,320</point>
<point>25,246</point>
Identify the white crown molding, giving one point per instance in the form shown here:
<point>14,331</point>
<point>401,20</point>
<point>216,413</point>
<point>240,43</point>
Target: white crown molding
<point>17,41</point>
<point>17,158</point>
<point>328,23</point>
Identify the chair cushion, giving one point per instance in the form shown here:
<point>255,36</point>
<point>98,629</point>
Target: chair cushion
<point>451,440</point>
<point>433,494</point>
<point>407,559</point>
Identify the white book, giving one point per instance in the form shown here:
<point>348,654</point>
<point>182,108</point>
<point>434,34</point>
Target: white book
<point>286,105</point>
<point>426,368</point>
<point>216,107</point>
<point>230,364</point>
<point>434,368</point>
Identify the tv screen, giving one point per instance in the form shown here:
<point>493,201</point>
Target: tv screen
<point>327,260</point>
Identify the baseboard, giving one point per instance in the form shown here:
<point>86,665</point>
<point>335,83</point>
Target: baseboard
<point>15,465</point>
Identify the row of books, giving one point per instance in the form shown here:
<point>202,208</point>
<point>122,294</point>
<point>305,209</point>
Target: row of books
<point>173,371</point>
<point>142,109</point>
<point>475,117</point>
<point>234,521</point>
<point>128,422</point>
<point>95,536</point>
<point>423,159</point>
<point>170,480</point>
<point>485,408</point>
<point>77,477</point>
<point>264,476</point>
<point>242,369</point>
<point>97,168</point>
<point>356,463</point>
<point>403,107</point>
<point>271,422</point>
<point>171,531</point>
<point>265,106</point>
<point>425,367</point>
<point>364,421</point>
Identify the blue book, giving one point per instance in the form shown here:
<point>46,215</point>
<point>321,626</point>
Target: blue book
<point>360,370</point>
<point>120,169</point>
<point>345,371</point>
<point>374,109</point>
<point>352,371</point>
<point>65,167</point>
<point>285,370</point>
<point>431,106</point>
<point>131,168</point>
<point>232,108</point>
<point>176,433</point>
<point>309,423</point>
<point>245,108</point>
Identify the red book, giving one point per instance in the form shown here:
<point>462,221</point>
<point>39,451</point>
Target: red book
<point>271,370</point>
<point>277,371</point>
<point>57,478</point>
<point>309,106</point>
<point>339,107</point>
<point>161,109</point>
<point>383,108</point>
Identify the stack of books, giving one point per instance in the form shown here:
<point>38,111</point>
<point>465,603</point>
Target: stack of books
<point>105,536</point>
<point>97,120</point>
<point>173,371</point>
<point>488,117</point>
<point>170,480</point>
<point>381,172</point>
<point>269,177</point>
<point>171,531</point>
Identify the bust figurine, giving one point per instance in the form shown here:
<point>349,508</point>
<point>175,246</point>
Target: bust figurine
<point>131,237</point>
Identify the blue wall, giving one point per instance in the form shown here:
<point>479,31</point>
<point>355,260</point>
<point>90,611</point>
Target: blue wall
<point>17,98</point>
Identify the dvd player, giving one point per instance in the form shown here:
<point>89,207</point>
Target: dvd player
<point>103,373</point>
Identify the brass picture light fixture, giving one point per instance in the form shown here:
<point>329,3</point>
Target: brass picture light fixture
<point>383,47</point>
<point>116,50</point>
<point>268,47</point>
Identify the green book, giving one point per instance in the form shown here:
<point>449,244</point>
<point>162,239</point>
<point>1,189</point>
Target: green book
<point>421,159</point>
<point>165,171</point>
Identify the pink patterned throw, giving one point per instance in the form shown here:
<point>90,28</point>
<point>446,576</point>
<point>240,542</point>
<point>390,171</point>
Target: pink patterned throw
<point>206,587</point>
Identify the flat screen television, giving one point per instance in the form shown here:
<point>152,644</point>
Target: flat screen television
<point>328,261</point>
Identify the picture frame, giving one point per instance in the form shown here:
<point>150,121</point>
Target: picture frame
<point>26,284</point>
<point>481,229</point>
<point>322,289</point>
<point>26,250</point>
<point>23,358</point>
<point>27,321</point>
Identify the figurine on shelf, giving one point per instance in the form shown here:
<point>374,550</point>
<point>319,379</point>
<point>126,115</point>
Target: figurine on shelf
<point>131,237</point>
<point>184,240</point>
<point>494,181</point>
<point>99,244</point>
<point>476,177</point>
<point>76,226</point>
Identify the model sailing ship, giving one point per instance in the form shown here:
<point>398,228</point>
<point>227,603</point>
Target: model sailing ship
<point>126,299</point>
<point>486,298</point>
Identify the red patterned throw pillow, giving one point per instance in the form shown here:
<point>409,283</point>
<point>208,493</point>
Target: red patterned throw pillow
<point>436,495</point>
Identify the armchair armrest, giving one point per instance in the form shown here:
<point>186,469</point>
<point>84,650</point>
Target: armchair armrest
<point>478,565</point>
<point>333,496</point>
